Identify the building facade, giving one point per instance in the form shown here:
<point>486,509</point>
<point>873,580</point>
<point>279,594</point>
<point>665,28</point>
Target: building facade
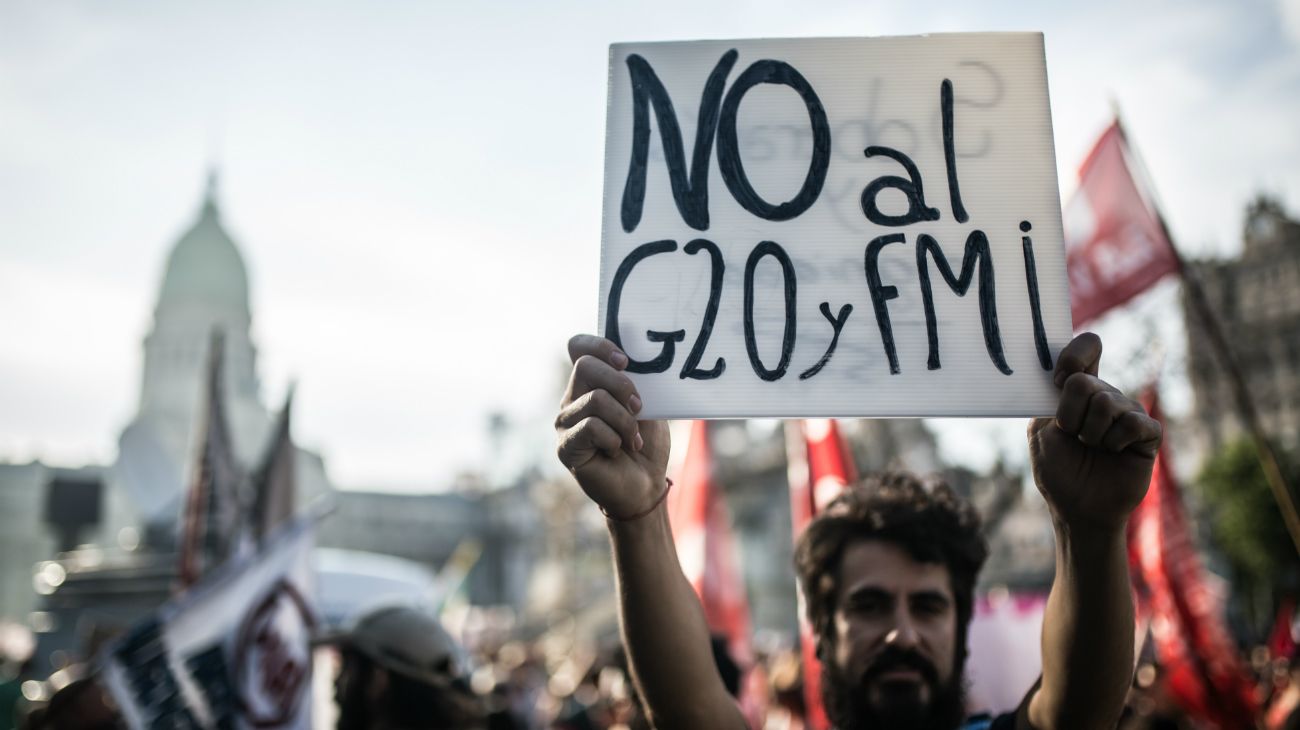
<point>1257,298</point>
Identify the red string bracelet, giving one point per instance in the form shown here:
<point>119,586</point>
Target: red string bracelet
<point>645,512</point>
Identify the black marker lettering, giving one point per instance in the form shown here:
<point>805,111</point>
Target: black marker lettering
<point>837,324</point>
<point>665,358</point>
<point>950,153</point>
<point>910,186</point>
<point>692,197</point>
<point>881,294</point>
<point>150,680</point>
<point>770,248</point>
<point>1031,280</point>
<point>977,250</point>
<point>210,672</point>
<point>690,369</point>
<point>733,171</point>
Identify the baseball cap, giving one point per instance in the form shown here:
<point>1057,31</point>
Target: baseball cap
<point>402,639</point>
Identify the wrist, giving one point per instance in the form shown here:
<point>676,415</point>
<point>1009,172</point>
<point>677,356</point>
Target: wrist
<point>1086,527</point>
<point>1087,539</point>
<point>655,506</point>
<point>653,528</point>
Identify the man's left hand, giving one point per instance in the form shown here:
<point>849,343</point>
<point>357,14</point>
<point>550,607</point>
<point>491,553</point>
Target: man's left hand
<point>1093,461</point>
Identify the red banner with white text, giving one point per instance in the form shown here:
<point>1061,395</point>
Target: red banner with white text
<point>1115,244</point>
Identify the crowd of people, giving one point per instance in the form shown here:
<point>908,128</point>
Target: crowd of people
<point>514,685</point>
<point>887,572</point>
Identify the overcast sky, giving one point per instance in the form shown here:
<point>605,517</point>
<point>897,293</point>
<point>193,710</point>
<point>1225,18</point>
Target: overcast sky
<point>416,187</point>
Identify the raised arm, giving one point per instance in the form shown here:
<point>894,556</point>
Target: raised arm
<point>1092,464</point>
<point>620,463</point>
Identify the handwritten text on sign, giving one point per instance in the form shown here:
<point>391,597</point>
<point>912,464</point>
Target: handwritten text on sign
<point>834,227</point>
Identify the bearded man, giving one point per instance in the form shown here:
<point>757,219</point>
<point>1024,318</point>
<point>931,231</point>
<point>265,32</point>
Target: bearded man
<point>888,570</point>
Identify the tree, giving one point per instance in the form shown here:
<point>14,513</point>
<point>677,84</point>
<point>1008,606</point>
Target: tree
<point>1247,526</point>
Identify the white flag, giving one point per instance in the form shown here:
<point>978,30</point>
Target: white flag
<point>233,652</point>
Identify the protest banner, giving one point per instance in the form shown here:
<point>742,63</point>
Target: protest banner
<point>1116,247</point>
<point>232,652</point>
<point>834,227</point>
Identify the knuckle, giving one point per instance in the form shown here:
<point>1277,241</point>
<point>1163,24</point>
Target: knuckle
<point>1112,403</point>
<point>627,421</point>
<point>1127,403</point>
<point>587,369</point>
<point>603,347</point>
<point>594,427</point>
<point>583,344</point>
<point>564,448</point>
<point>606,404</point>
<point>626,386</point>
<point>1078,384</point>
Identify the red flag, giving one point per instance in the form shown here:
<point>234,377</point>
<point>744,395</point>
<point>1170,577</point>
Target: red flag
<point>273,482</point>
<point>212,510</point>
<point>1115,243</point>
<point>1200,662</point>
<point>1281,640</point>
<point>706,548</point>
<point>820,466</point>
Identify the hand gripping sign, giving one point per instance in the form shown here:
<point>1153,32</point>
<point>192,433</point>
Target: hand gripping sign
<point>834,227</point>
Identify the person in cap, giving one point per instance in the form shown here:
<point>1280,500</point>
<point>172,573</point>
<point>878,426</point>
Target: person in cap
<point>888,570</point>
<point>399,670</point>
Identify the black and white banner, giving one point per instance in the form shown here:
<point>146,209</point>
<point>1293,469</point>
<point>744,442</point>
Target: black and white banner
<point>233,652</point>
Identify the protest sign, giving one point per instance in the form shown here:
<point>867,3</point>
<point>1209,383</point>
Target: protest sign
<point>834,227</point>
<point>232,652</point>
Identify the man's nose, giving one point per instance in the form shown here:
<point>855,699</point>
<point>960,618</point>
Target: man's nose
<point>903,635</point>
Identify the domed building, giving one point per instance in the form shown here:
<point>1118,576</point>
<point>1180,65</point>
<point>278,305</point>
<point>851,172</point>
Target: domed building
<point>204,289</point>
<point>97,542</point>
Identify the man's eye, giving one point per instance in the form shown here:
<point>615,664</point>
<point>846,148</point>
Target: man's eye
<point>929,607</point>
<point>869,605</point>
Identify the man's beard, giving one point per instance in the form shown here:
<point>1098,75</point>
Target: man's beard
<point>849,707</point>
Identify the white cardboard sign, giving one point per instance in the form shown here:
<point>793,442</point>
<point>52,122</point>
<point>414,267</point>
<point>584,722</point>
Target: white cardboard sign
<point>834,227</point>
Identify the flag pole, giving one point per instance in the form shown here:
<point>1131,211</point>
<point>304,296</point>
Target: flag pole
<point>1242,398</point>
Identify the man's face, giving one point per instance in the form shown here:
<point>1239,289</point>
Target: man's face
<point>895,634</point>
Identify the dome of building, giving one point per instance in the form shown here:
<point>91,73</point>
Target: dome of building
<point>205,270</point>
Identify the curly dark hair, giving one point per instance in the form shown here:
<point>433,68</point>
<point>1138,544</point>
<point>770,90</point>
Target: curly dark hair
<point>932,525</point>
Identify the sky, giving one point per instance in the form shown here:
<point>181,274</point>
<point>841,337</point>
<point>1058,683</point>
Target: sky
<point>416,190</point>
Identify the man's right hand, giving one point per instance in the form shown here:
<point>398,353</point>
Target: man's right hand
<point>618,461</point>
